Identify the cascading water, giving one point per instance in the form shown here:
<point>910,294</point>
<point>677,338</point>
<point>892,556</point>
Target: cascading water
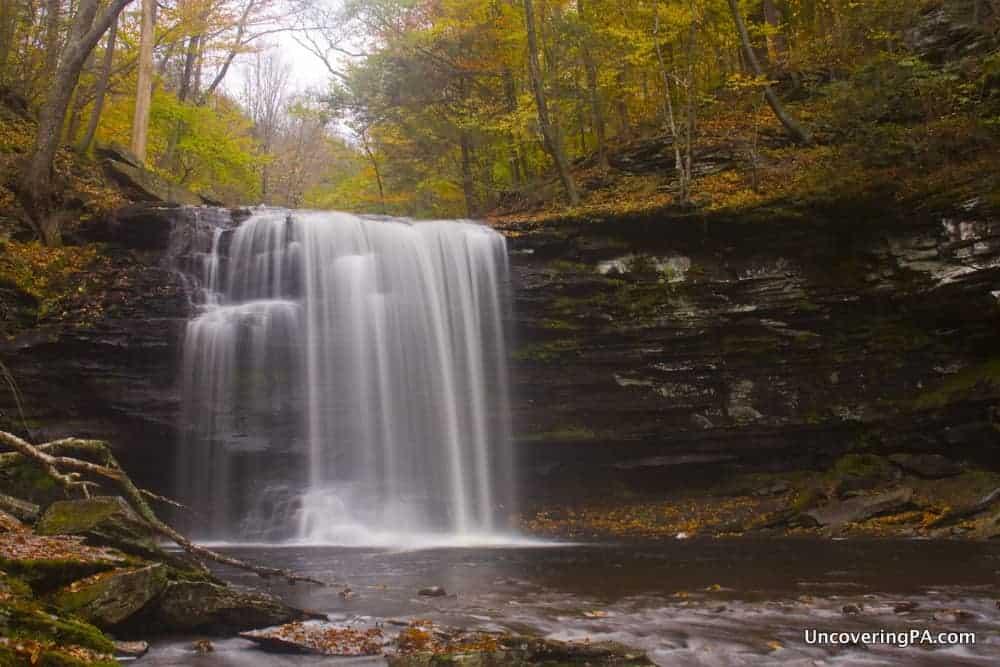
<point>344,381</point>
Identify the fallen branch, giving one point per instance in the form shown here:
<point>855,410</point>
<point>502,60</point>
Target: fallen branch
<point>55,465</point>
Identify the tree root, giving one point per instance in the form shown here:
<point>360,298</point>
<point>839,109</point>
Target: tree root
<point>55,465</point>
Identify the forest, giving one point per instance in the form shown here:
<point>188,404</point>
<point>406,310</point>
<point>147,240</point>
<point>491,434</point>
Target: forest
<point>452,108</point>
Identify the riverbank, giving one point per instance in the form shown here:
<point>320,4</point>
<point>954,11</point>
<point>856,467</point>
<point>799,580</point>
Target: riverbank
<point>861,496</point>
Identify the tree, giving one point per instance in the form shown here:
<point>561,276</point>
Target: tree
<point>594,95</point>
<point>144,85</point>
<point>102,88</point>
<point>265,89</point>
<point>238,44</point>
<point>682,155</point>
<point>53,15</point>
<point>550,137</point>
<point>36,187</point>
<point>795,130</point>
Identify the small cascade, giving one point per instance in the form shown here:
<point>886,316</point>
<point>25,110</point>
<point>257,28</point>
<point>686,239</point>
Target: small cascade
<point>344,380</point>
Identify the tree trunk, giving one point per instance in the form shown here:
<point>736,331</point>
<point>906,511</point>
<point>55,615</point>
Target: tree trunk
<point>551,140</point>
<point>8,27</point>
<point>624,124</point>
<point>596,110</point>
<point>241,28</point>
<point>72,126</point>
<point>190,57</point>
<point>378,172</point>
<point>36,187</point>
<point>759,45</point>
<point>682,179</point>
<point>53,9</point>
<point>778,43</point>
<point>144,87</point>
<point>796,131</point>
<point>102,88</point>
<point>468,183</point>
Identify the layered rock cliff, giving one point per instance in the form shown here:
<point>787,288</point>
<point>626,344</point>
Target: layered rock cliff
<point>646,352</point>
<point>651,352</point>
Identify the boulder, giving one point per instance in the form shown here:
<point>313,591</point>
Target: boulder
<point>140,184</point>
<point>56,640</point>
<point>928,466</point>
<point>318,638</point>
<point>202,606</point>
<point>46,563</point>
<point>483,649</point>
<point>861,472</point>
<point>859,508</point>
<point>110,598</point>
<point>131,650</point>
<point>962,511</point>
<point>432,592</point>
<point>987,527</point>
<point>102,521</point>
<point>19,509</point>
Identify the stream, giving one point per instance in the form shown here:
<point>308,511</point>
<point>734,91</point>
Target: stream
<point>691,602</point>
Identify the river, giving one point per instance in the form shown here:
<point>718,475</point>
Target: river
<point>684,602</point>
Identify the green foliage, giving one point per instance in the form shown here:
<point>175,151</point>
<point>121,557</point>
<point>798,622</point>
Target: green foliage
<point>205,148</point>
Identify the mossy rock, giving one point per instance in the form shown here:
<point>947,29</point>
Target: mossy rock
<point>20,509</point>
<point>60,639</point>
<point>51,655</point>
<point>109,598</point>
<point>27,481</point>
<point>856,472</point>
<point>103,521</point>
<point>529,652</point>
<point>45,574</point>
<point>201,606</point>
<point>12,587</point>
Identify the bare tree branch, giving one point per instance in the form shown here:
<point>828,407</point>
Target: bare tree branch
<point>54,465</point>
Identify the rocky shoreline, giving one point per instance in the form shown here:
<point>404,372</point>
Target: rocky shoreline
<point>78,572</point>
<point>861,495</point>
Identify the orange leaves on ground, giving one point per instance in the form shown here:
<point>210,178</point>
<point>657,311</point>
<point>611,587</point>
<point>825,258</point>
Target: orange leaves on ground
<point>324,639</point>
<point>32,652</point>
<point>26,546</point>
<point>649,519</point>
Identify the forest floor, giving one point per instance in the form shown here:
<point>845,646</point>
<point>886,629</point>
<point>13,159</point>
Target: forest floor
<point>746,169</point>
<point>861,495</point>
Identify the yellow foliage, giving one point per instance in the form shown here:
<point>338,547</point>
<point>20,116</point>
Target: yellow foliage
<point>49,275</point>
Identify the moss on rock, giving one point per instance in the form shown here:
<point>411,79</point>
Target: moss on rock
<point>27,625</point>
<point>109,598</point>
<point>105,521</point>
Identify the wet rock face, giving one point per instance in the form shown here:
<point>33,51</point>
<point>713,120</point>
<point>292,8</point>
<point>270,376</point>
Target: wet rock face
<point>645,353</point>
<point>106,367</point>
<point>775,345</point>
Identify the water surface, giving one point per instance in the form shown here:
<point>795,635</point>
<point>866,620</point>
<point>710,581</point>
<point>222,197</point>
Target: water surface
<point>691,602</point>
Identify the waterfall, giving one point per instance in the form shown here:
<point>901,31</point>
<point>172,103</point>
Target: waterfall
<point>344,380</point>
